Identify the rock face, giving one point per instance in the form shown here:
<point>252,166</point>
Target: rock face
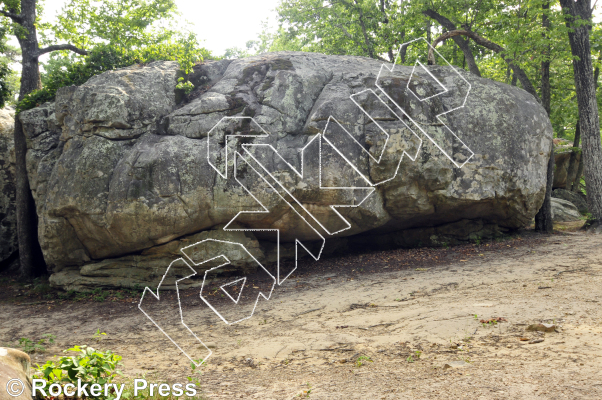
<point>562,159</point>
<point>121,168</point>
<point>8,216</point>
<point>577,199</point>
<point>564,211</point>
<point>14,364</point>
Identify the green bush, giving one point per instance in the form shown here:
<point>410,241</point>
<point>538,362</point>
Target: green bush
<point>90,366</point>
<point>105,58</point>
<point>29,346</point>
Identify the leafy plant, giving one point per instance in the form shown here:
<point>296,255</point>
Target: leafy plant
<point>100,295</point>
<point>105,58</point>
<point>196,371</point>
<point>90,366</point>
<point>29,346</point>
<point>361,360</point>
<point>414,357</point>
<point>66,295</point>
<point>98,335</point>
<point>582,186</point>
<point>80,296</point>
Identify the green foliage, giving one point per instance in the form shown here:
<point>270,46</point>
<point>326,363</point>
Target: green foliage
<point>99,295</point>
<point>140,28</point>
<point>122,24</point>
<point>377,28</point>
<point>186,86</point>
<point>361,360</point>
<point>116,34</point>
<point>196,372</point>
<point>90,366</point>
<point>5,88</point>
<point>98,336</point>
<point>105,58</point>
<point>9,83</point>
<point>582,186</point>
<point>414,357</point>
<point>29,346</point>
<point>361,27</point>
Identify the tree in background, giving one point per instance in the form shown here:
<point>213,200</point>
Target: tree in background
<point>579,19</point>
<point>355,27</point>
<point>23,20</point>
<point>132,31</point>
<point>9,81</point>
<point>123,24</point>
<point>516,41</point>
<point>107,35</point>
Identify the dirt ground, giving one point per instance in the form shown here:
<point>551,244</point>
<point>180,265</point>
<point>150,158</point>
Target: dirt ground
<point>375,326</point>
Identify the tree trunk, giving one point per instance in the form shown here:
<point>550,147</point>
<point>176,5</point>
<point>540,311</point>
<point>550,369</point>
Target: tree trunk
<point>24,28</point>
<point>586,100</point>
<point>543,218</point>
<point>577,183</point>
<point>572,170</point>
<point>30,255</point>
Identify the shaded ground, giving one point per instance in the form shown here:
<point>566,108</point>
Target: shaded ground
<point>403,324</point>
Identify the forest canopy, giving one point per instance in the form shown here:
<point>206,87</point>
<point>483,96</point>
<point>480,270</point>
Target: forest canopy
<point>376,29</point>
<point>113,33</point>
<point>118,33</point>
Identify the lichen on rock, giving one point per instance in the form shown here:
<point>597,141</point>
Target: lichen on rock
<point>120,174</point>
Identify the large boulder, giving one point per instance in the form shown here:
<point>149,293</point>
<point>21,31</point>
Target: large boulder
<point>562,156</point>
<point>120,166</point>
<point>564,211</point>
<point>8,215</point>
<point>577,199</point>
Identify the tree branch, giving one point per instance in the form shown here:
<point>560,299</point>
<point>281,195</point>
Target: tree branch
<point>478,39</point>
<point>15,17</point>
<point>62,47</point>
<point>462,44</point>
<point>518,71</point>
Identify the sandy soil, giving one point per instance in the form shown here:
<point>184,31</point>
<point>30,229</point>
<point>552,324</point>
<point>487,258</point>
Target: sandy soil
<point>307,339</point>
